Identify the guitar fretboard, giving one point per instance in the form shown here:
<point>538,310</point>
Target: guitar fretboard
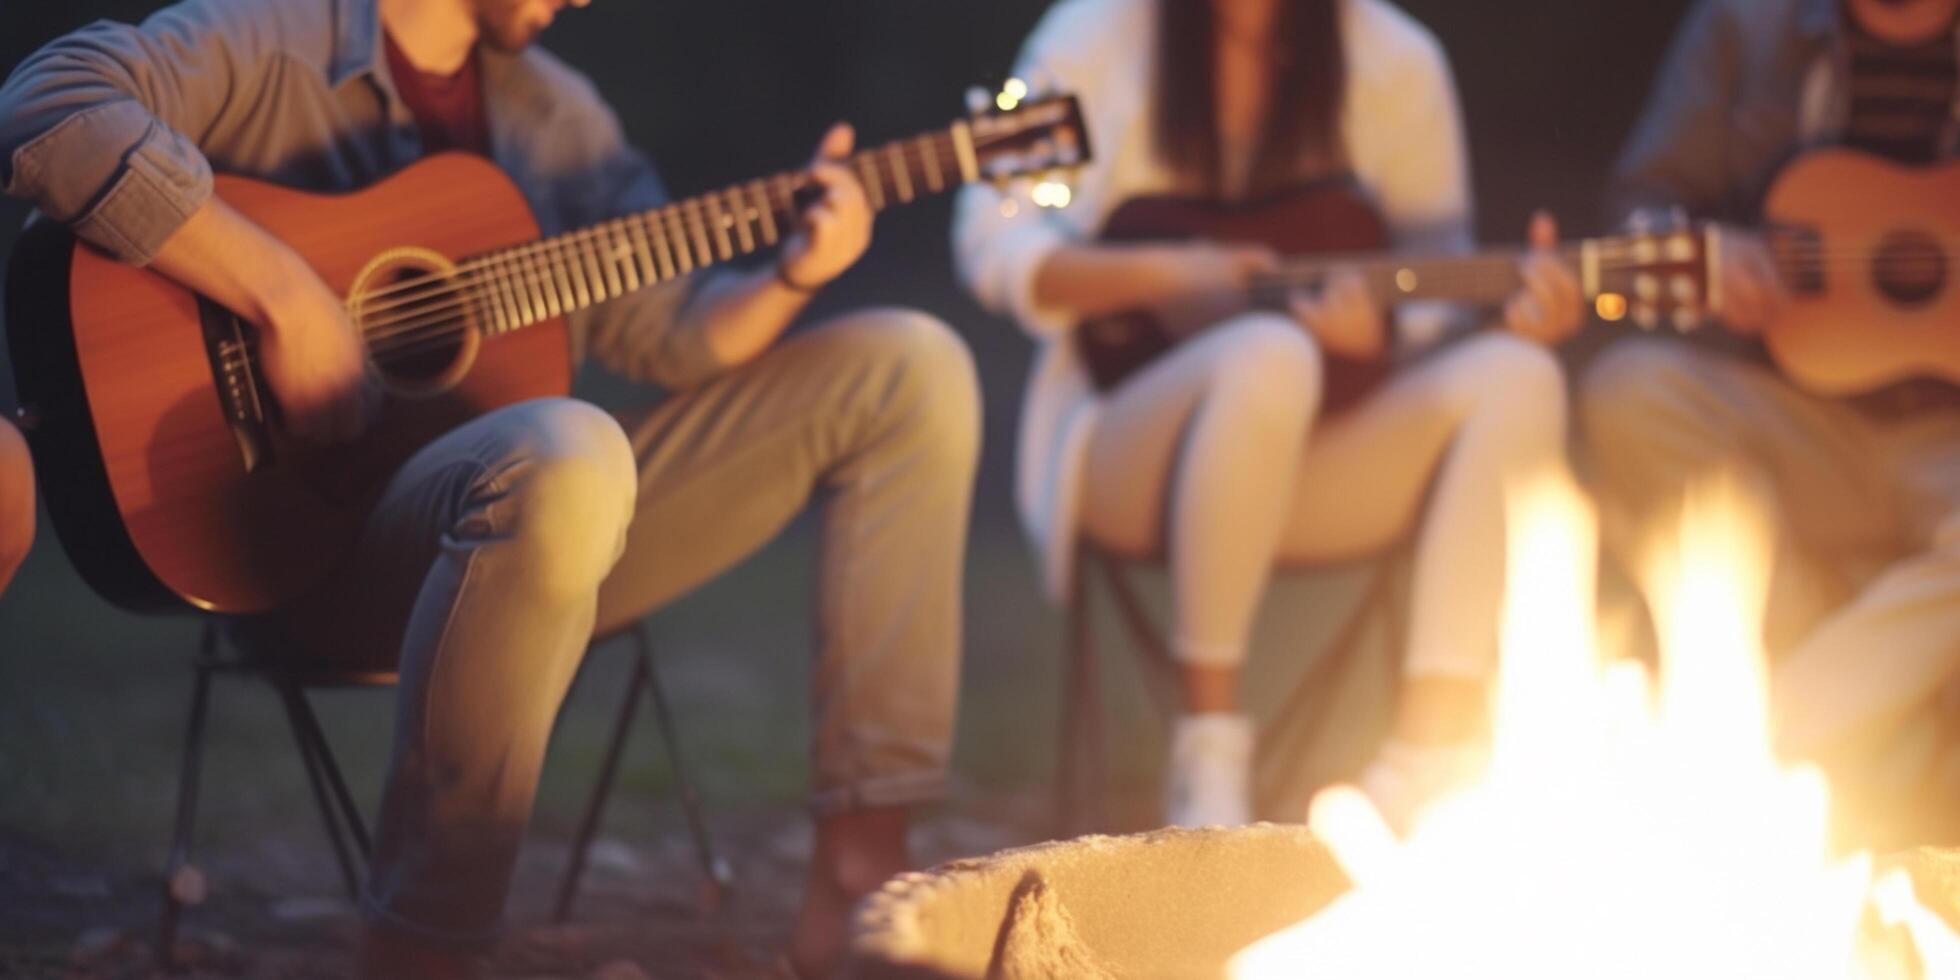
<point>516,287</point>
<point>1485,278</point>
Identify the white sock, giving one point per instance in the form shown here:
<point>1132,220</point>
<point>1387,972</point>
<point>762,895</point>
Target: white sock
<point>1209,777</point>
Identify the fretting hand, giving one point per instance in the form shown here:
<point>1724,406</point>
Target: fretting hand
<point>1343,316</point>
<point>1751,292</point>
<point>836,228</point>
<point>1550,307</point>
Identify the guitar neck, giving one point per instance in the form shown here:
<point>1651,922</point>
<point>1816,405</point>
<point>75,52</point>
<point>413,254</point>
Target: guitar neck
<point>1486,277</point>
<point>516,287</point>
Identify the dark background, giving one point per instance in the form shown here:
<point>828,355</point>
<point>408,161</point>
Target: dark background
<point>92,699</point>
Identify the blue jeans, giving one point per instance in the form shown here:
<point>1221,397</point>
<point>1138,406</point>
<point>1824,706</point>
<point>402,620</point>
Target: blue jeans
<point>496,549</point>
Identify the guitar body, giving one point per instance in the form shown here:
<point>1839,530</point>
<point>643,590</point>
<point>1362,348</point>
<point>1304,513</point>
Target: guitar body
<point>1320,218</point>
<point>153,493</point>
<point>1872,274</point>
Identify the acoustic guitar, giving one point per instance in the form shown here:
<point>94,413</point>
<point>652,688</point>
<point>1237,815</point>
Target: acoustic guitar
<point>1657,277</point>
<point>163,461</point>
<point>1867,250</point>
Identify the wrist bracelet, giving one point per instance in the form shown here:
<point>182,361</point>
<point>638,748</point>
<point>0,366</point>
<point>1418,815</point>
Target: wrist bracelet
<point>782,276</point>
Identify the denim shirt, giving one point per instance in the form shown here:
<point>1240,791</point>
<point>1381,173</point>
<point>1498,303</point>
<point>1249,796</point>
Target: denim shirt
<point>1747,85</point>
<point>116,131</point>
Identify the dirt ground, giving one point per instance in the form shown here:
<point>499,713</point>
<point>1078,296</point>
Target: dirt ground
<point>274,909</point>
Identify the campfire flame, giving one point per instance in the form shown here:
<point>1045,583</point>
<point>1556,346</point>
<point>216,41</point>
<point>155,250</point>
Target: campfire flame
<point>1627,827</point>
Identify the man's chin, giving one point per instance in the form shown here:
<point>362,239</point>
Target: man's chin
<point>514,38</point>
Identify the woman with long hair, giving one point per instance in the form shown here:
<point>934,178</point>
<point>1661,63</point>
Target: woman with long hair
<point>1217,455</point>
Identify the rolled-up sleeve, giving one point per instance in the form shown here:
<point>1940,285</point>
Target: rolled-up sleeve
<point>1000,237</point>
<point>1677,154</point>
<point>98,129</point>
<point>1000,255</point>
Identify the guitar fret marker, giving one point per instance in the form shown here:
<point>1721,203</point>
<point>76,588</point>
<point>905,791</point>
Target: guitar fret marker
<point>739,217</point>
<point>661,250</point>
<point>873,187</point>
<point>622,255</point>
<point>718,222</point>
<point>677,234</point>
<point>760,195</point>
<point>899,174</point>
<point>1406,280</point>
<point>603,253</point>
<point>963,151</point>
<point>636,234</point>
<point>934,179</point>
<point>697,230</point>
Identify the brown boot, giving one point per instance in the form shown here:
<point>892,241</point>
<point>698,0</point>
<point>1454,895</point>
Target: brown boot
<point>387,955</point>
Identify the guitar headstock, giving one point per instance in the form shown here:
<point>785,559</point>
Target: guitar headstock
<point>1017,133</point>
<point>1658,274</point>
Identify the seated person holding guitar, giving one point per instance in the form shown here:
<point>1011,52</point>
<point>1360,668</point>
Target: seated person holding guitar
<point>16,503</point>
<point>495,550</point>
<point>1228,451</point>
<point>1861,468</point>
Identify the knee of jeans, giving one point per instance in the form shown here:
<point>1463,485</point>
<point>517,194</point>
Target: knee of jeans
<point>574,485</point>
<point>928,375</point>
<point>1625,385</point>
<point>1268,364</point>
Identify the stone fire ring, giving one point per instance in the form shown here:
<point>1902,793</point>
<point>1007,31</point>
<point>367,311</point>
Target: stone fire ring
<point>1171,903</point>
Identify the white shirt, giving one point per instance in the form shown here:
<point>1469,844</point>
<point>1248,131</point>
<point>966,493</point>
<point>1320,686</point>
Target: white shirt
<point>1402,132</point>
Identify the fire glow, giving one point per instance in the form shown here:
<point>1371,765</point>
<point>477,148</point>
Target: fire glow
<point>1627,827</point>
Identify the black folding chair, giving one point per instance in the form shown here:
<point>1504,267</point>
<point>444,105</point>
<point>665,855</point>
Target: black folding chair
<point>184,884</point>
<point>1292,731</point>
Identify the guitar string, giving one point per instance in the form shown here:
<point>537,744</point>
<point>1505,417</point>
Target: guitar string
<point>435,333</point>
<point>912,152</point>
<point>528,286</point>
<point>553,281</point>
<point>522,293</point>
<point>448,324</point>
<point>909,150</point>
<point>529,293</point>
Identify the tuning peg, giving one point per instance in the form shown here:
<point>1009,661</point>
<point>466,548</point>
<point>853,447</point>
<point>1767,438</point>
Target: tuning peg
<point>1051,193</point>
<point>1012,92</point>
<point>977,100</point>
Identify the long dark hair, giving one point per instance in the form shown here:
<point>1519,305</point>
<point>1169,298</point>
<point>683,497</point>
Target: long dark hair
<point>1303,112</point>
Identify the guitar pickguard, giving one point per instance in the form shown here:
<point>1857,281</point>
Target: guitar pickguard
<point>230,348</point>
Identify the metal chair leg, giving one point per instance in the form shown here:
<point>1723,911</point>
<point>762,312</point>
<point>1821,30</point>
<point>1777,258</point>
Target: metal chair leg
<point>601,792</point>
<point>295,708</point>
<point>1083,779</point>
<point>183,883</point>
<point>350,813</point>
<point>720,879</point>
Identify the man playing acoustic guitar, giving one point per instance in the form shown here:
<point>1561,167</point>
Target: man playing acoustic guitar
<point>496,550</point>
<point>1865,607</point>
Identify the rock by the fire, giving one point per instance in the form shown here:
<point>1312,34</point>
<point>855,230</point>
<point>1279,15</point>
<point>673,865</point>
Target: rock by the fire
<point>1038,940</point>
<point>1935,875</point>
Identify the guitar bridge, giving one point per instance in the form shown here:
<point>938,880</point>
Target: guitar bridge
<point>231,350</point>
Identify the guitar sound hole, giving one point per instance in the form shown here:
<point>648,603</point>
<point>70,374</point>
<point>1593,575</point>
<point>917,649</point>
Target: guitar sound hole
<point>1909,268</point>
<point>421,334</point>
